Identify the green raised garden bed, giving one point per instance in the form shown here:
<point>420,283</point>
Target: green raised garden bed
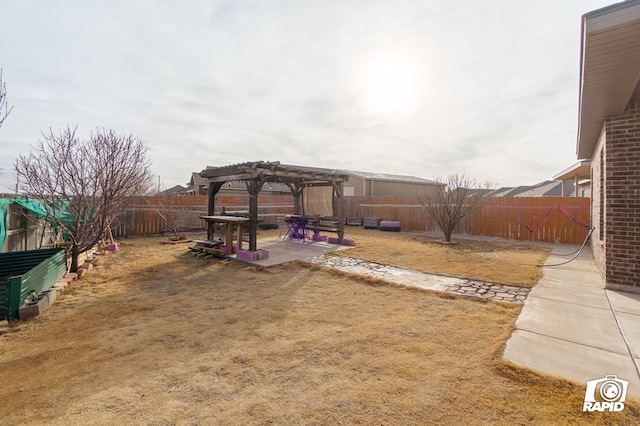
<point>24,271</point>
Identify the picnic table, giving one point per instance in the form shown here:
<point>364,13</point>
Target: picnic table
<point>231,222</point>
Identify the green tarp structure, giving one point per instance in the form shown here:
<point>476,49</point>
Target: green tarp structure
<point>35,207</point>
<point>4,209</point>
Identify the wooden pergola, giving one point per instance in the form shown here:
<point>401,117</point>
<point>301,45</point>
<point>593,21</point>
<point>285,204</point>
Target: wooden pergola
<point>255,174</point>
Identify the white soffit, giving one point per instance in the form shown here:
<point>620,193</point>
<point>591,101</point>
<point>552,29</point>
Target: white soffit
<point>581,169</point>
<point>610,68</point>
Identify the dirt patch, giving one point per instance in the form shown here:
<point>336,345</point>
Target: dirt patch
<point>156,337</point>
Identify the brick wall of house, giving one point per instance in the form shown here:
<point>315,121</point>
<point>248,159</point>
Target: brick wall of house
<point>622,199</point>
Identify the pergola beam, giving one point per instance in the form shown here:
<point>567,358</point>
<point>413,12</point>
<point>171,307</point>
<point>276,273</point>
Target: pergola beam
<point>232,178</point>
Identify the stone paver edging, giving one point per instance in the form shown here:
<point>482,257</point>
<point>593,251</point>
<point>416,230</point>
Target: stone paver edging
<point>412,278</point>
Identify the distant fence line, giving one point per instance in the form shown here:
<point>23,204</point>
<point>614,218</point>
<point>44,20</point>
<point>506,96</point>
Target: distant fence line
<point>141,215</point>
<point>549,219</point>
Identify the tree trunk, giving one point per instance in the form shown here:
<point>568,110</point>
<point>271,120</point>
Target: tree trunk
<point>75,253</point>
<point>447,235</point>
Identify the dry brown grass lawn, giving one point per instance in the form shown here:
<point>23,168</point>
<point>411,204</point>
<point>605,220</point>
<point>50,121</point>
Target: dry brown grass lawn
<point>490,260</point>
<point>155,337</point>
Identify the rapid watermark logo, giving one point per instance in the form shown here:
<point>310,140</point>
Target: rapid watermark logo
<point>605,394</point>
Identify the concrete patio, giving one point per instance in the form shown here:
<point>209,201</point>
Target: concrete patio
<point>286,250</point>
<point>571,327</point>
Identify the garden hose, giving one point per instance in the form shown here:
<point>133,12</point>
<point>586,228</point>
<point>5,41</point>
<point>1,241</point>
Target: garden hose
<point>584,243</point>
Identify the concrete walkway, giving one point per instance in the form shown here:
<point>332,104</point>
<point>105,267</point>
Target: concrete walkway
<point>570,326</point>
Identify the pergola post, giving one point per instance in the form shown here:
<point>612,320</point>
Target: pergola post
<point>338,210</point>
<point>296,191</point>
<point>253,188</point>
<point>214,187</point>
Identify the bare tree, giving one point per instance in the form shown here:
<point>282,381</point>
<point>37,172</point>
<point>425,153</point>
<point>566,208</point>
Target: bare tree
<point>455,198</point>
<point>4,106</point>
<point>166,206</point>
<point>84,183</point>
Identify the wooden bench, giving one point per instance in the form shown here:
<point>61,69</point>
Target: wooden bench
<point>354,221</point>
<point>317,224</point>
<point>205,246</point>
<point>371,222</point>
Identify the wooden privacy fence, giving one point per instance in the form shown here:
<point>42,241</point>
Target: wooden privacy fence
<point>548,219</point>
<point>142,216</point>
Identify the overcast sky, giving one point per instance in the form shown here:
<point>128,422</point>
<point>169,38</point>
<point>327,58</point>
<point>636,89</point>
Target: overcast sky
<point>415,87</point>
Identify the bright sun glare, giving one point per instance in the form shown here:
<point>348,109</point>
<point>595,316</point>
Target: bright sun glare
<point>390,84</point>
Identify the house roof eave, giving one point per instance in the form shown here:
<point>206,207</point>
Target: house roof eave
<point>581,170</point>
<point>609,68</point>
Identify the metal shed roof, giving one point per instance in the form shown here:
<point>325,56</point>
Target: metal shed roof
<point>390,177</point>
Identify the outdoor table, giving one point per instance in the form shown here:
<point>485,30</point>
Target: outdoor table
<point>230,221</point>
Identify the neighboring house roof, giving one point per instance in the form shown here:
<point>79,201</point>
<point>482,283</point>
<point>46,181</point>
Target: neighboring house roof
<point>268,186</point>
<point>178,189</point>
<point>518,190</point>
<point>500,192</point>
<point>609,64</point>
<point>538,190</point>
<point>555,190</point>
<point>548,188</point>
<point>197,180</point>
<point>276,187</point>
<point>234,185</point>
